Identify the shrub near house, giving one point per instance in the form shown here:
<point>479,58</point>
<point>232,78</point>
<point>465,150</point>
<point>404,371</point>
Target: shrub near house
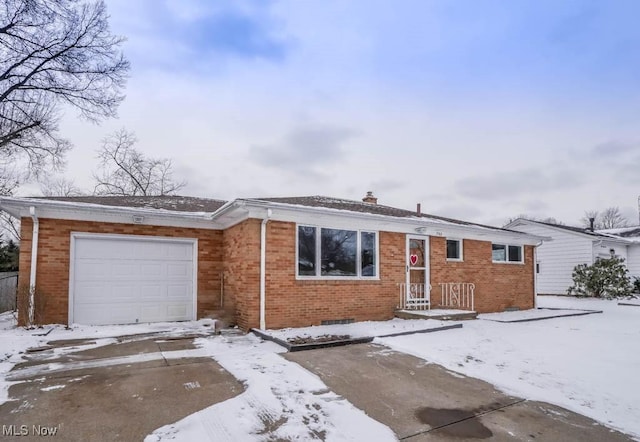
<point>606,278</point>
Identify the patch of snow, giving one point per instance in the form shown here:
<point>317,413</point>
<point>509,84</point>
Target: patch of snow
<point>282,401</point>
<point>52,387</point>
<point>588,364</point>
<point>363,329</point>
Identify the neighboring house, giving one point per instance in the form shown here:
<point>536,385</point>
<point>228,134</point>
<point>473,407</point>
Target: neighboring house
<point>631,234</point>
<point>268,263</point>
<point>571,246</point>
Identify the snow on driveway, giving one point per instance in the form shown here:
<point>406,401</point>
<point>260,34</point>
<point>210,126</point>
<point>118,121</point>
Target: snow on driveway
<point>282,401</point>
<point>588,364</point>
<point>14,340</point>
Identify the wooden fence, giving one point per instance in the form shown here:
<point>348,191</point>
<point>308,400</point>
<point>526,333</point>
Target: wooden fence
<point>8,290</point>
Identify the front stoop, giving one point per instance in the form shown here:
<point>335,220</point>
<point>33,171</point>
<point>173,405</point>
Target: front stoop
<point>433,314</point>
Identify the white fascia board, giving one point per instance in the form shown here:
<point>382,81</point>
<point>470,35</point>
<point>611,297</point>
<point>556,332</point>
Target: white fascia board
<point>321,216</point>
<point>613,239</point>
<point>19,207</point>
<point>520,222</point>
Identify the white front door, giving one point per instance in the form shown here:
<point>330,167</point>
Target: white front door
<point>122,279</point>
<point>418,265</point>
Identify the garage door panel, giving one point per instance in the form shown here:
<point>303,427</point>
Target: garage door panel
<point>88,270</point>
<point>94,314</point>
<point>153,292</point>
<point>167,312</point>
<point>179,291</point>
<point>178,252</point>
<point>132,279</point>
<point>179,270</point>
<point>92,293</point>
<point>151,270</point>
<point>177,310</point>
<point>121,270</point>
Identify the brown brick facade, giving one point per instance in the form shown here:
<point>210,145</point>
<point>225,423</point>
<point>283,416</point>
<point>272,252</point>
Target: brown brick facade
<point>235,253</point>
<point>298,303</point>
<point>54,242</point>
<point>241,247</point>
<point>497,285</point>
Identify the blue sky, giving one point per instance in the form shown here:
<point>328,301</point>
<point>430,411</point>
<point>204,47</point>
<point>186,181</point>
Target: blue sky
<point>479,110</point>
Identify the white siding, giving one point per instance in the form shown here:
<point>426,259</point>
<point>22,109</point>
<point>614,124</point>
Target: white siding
<point>633,260</point>
<point>557,258</point>
<point>603,250</point>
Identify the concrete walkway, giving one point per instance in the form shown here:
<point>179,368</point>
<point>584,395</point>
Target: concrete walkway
<point>103,394</point>
<point>425,402</point>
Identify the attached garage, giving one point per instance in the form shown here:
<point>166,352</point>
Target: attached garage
<point>122,279</point>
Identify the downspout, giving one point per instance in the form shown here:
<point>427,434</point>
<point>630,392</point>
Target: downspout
<point>535,274</point>
<point>34,263</point>
<point>263,266</point>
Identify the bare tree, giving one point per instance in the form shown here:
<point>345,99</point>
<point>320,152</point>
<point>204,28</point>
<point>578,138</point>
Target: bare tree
<point>59,186</point>
<point>54,53</point>
<point>127,171</point>
<point>9,182</point>
<point>610,218</point>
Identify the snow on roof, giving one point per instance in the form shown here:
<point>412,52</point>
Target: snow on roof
<point>583,230</point>
<point>193,206</point>
<point>370,208</point>
<point>173,203</point>
<point>625,232</point>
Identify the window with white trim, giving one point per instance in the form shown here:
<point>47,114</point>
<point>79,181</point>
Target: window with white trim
<point>454,249</point>
<point>335,253</point>
<point>506,253</point>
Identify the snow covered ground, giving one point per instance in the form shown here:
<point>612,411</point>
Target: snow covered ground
<point>282,401</point>
<point>588,364</point>
<point>14,341</point>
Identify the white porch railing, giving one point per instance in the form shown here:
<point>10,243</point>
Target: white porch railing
<point>414,296</point>
<point>457,295</point>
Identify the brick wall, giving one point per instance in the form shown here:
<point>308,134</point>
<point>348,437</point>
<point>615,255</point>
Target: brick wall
<point>54,244</point>
<point>241,246</point>
<point>298,303</point>
<point>289,302</point>
<point>498,285</point>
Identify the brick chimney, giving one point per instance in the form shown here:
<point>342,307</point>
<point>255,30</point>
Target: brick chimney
<point>369,198</point>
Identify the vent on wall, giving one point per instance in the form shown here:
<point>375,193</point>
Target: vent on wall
<point>337,321</point>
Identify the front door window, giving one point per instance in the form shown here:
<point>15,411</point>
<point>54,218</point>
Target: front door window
<point>416,265</point>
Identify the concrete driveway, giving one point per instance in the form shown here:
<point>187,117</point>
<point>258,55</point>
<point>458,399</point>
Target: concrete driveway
<point>421,401</point>
<point>121,391</point>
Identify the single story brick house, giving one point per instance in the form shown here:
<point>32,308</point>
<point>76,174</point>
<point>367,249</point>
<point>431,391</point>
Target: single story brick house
<point>265,263</point>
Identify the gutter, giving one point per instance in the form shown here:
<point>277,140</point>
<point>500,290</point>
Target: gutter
<point>34,264</point>
<point>226,208</point>
<point>10,204</point>
<point>263,267</point>
<point>535,274</point>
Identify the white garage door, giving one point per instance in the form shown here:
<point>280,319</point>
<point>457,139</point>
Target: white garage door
<point>120,279</point>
